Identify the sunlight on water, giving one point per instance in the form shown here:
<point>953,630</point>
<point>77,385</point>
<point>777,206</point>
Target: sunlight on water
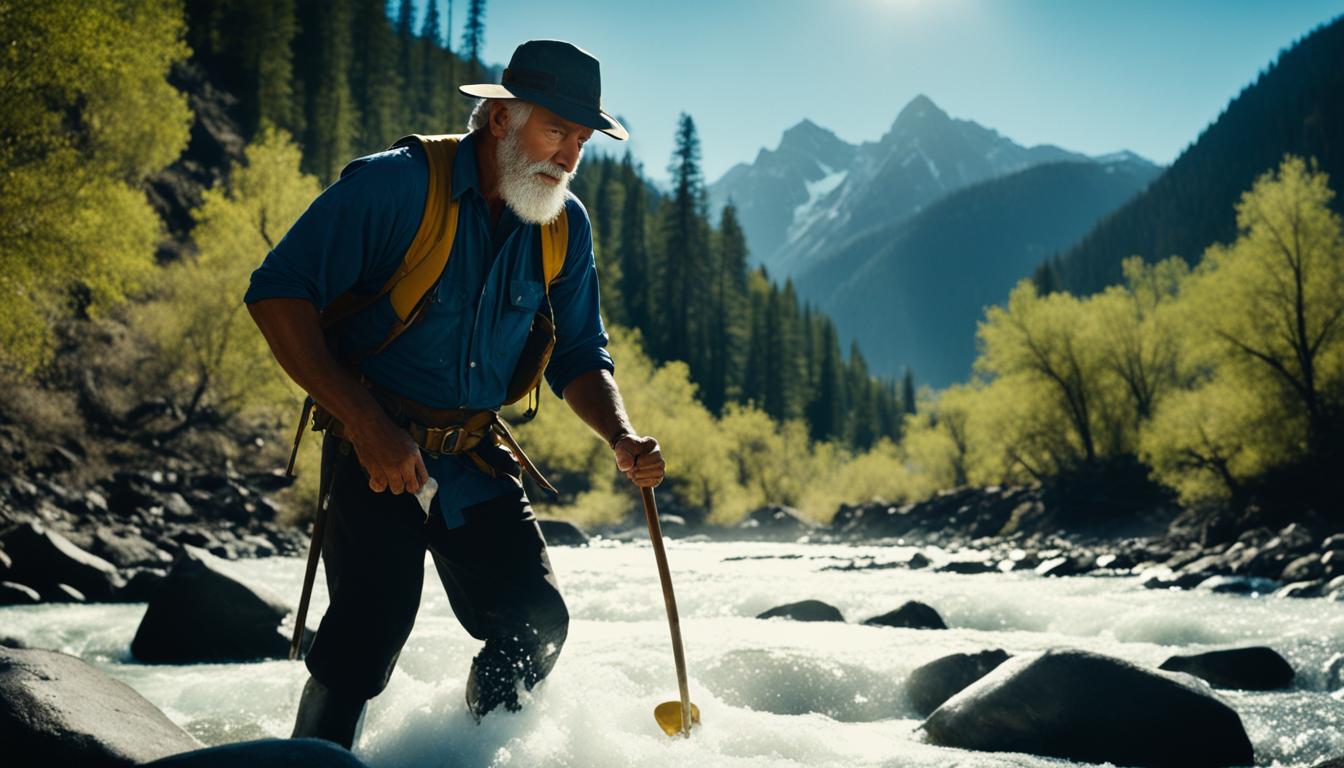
<point>772,693</point>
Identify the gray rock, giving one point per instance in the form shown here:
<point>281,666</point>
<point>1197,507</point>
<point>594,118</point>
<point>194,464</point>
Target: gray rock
<point>265,753</point>
<point>1304,568</point>
<point>911,615</point>
<point>1239,585</point>
<point>142,586</point>
<point>967,567</point>
<point>57,710</point>
<point>1301,589</point>
<point>43,559</point>
<point>1064,565</point>
<point>1334,762</point>
<point>562,533</point>
<point>13,593</point>
<point>63,593</point>
<point>1335,541</point>
<point>917,561</point>
<point>934,683</point>
<point>201,611</point>
<point>805,610</point>
<point>1334,672</point>
<point>1255,668</point>
<point>1091,708</point>
<point>775,523</point>
<point>126,551</point>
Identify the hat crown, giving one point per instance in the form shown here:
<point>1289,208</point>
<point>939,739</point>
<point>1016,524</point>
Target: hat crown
<point>558,68</point>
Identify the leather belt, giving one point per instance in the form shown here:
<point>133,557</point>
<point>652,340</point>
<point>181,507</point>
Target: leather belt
<point>443,431</point>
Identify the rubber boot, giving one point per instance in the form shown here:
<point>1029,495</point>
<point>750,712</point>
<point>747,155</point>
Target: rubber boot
<point>328,714</point>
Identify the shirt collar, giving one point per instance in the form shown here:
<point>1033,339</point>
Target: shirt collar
<point>465,172</point>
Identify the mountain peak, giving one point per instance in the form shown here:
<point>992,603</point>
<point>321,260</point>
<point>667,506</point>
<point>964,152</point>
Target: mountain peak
<point>807,134</point>
<point>920,108</point>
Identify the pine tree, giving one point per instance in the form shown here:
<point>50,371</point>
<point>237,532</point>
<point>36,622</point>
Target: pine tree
<point>908,391</point>
<point>726,318</point>
<point>374,79</point>
<point>473,37</point>
<point>323,66</point>
<point>412,80</point>
<point>435,79</point>
<point>825,413</point>
<point>636,278</point>
<point>684,273</point>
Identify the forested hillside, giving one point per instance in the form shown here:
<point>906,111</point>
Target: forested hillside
<point>1294,107</point>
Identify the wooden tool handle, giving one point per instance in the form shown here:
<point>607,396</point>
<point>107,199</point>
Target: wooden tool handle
<point>670,600</point>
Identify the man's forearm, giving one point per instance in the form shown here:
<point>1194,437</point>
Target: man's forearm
<point>594,397</point>
<point>294,332</point>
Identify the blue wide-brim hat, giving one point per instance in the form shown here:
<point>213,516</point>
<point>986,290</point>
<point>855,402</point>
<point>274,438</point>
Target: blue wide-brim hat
<point>559,76</point>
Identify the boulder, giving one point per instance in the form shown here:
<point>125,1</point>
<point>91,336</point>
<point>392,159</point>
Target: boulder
<point>127,551</point>
<point>1302,589</point>
<point>775,523</point>
<point>57,710</point>
<point>1304,568</point>
<point>44,559</point>
<point>934,683</point>
<point>265,753</point>
<point>967,567</point>
<point>911,615</point>
<point>1334,762</point>
<point>917,561</point>
<point>1334,672</point>
<point>1091,708</point>
<point>202,611</point>
<point>1239,585</point>
<point>1065,565</point>
<point>142,585</point>
<point>1255,668</point>
<point>562,533</point>
<point>806,610</point>
<point>13,593</point>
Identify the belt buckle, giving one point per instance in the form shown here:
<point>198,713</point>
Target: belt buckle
<point>440,440</point>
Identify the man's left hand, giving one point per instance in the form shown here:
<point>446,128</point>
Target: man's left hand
<point>640,460</point>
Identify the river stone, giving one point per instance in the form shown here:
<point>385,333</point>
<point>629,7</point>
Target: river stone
<point>57,710</point>
<point>967,567</point>
<point>1255,668</point>
<point>1091,708</point>
<point>776,523</point>
<point>13,593</point>
<point>127,551</point>
<point>1304,568</point>
<point>1334,672</point>
<point>43,559</point>
<point>265,753</point>
<point>934,683</point>
<point>202,611</point>
<point>562,533</point>
<point>1301,589</point>
<point>912,615</point>
<point>806,610</point>
<point>1334,762</point>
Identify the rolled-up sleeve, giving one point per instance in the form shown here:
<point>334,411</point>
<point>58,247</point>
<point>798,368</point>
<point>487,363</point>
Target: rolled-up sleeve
<point>349,236</point>
<point>580,336</point>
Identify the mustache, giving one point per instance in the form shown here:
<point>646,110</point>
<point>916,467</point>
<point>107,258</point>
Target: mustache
<point>554,170</point>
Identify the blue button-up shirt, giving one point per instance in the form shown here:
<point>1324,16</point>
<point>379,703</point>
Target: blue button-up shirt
<point>463,351</point>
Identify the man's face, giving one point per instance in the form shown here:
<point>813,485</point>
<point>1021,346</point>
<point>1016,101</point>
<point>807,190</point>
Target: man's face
<point>537,160</point>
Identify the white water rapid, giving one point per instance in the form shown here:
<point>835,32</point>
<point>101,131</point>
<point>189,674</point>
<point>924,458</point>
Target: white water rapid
<point>772,693</point>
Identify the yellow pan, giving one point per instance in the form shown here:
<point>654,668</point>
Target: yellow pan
<point>669,717</point>
<point>673,717</point>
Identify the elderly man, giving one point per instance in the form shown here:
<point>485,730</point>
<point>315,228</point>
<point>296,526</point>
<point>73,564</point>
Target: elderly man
<point>384,394</point>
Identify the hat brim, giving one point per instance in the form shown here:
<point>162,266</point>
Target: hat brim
<point>595,119</point>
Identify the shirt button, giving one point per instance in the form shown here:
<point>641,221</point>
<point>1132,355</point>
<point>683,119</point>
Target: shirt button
<point>473,363</point>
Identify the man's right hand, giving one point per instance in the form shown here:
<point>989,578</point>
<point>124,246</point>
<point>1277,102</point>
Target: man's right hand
<point>390,456</point>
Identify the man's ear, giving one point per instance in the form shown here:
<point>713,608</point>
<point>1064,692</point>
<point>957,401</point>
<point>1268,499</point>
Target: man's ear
<point>499,119</point>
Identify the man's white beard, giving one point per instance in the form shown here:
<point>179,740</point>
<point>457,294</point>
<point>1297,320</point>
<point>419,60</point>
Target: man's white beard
<point>532,198</point>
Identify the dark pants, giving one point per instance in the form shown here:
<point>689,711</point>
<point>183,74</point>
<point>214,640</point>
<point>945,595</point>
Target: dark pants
<point>494,569</point>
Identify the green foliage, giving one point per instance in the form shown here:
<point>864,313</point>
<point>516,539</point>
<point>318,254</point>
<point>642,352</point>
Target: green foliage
<point>209,350</point>
<point>86,114</point>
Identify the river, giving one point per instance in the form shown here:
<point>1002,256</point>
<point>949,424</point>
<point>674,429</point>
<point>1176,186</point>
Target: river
<point>772,693</point>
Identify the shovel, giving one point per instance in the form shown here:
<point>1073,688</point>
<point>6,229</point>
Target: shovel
<point>673,717</point>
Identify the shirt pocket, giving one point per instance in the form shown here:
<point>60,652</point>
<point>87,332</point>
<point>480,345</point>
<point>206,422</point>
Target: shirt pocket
<point>524,297</point>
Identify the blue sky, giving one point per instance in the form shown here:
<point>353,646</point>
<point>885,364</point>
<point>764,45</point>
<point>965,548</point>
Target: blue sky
<point>1086,75</point>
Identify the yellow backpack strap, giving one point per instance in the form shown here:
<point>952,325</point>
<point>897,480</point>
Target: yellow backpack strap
<point>554,245</point>
<point>424,261</point>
